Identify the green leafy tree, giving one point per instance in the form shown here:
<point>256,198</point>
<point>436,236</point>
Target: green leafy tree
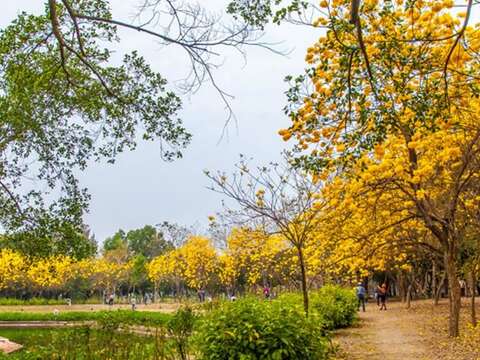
<point>60,239</point>
<point>262,12</point>
<point>138,274</point>
<point>64,103</point>
<point>116,241</point>
<point>146,242</point>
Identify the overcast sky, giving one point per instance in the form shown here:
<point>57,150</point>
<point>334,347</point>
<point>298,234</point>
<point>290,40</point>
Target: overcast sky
<point>140,188</point>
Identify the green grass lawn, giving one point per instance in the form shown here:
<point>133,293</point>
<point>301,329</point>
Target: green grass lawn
<point>81,343</point>
<point>124,316</point>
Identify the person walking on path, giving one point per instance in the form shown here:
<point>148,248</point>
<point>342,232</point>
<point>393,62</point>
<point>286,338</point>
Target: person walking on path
<point>361,293</point>
<point>382,295</point>
<point>133,302</point>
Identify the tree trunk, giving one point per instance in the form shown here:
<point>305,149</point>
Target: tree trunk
<point>409,295</point>
<point>440,286</point>
<point>473,284</point>
<point>177,289</point>
<point>401,286</point>
<point>304,280</point>
<point>155,292</point>
<point>453,292</point>
<point>425,285</point>
<point>434,282</point>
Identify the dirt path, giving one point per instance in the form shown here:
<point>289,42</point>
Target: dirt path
<point>386,335</point>
<point>159,307</point>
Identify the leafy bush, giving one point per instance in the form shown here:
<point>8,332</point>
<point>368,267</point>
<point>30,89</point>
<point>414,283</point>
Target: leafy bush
<point>180,329</point>
<point>337,306</point>
<point>257,329</point>
<point>332,306</point>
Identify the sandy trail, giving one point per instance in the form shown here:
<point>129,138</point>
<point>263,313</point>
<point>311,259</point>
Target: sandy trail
<point>159,307</point>
<point>386,335</point>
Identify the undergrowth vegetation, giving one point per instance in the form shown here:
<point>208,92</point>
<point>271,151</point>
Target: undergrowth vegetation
<point>248,328</point>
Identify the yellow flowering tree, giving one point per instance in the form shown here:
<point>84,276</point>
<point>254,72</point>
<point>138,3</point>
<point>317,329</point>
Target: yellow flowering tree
<point>257,257</point>
<point>396,79</point>
<point>199,262</point>
<point>12,269</point>
<point>195,263</point>
<point>49,274</point>
<point>165,268</point>
<point>106,275</point>
<point>279,199</point>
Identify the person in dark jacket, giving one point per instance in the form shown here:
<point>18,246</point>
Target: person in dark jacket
<point>361,294</point>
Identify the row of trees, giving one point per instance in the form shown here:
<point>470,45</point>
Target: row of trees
<point>71,253</point>
<point>385,122</point>
<point>24,276</point>
<point>248,260</point>
<point>252,258</point>
<point>386,119</point>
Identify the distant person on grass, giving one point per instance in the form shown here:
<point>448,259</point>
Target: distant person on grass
<point>361,294</point>
<point>382,295</point>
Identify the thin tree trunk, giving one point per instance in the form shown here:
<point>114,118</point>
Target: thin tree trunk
<point>425,285</point>
<point>440,286</point>
<point>401,286</point>
<point>304,280</point>
<point>155,292</point>
<point>453,293</point>
<point>473,283</point>
<point>434,282</point>
<point>409,289</point>
<point>409,296</point>
<point>177,290</point>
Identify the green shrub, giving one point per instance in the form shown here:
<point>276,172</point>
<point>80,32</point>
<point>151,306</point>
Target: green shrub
<point>337,306</point>
<point>332,306</point>
<point>180,329</point>
<point>257,329</point>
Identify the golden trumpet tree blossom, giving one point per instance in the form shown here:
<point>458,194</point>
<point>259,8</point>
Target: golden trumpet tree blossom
<point>199,262</point>
<point>12,268</point>
<point>393,110</point>
<point>50,273</point>
<point>260,257</point>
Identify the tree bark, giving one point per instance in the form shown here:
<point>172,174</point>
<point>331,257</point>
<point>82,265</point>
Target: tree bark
<point>409,296</point>
<point>155,292</point>
<point>453,292</point>
<point>434,282</point>
<point>401,287</point>
<point>409,289</point>
<point>440,286</point>
<point>473,283</point>
<point>304,279</point>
